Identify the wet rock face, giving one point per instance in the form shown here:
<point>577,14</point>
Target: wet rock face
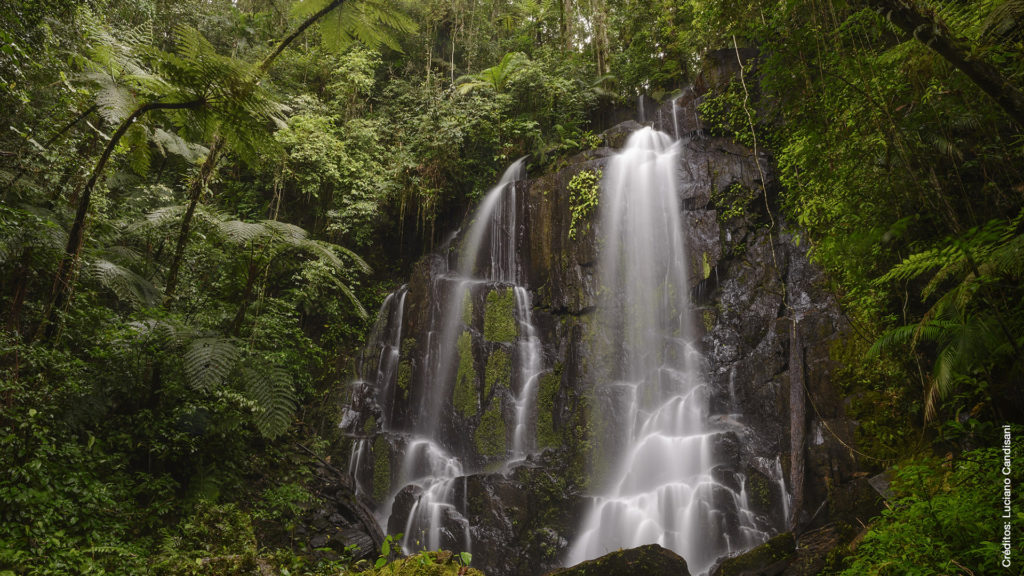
<point>521,521</point>
<point>749,282</point>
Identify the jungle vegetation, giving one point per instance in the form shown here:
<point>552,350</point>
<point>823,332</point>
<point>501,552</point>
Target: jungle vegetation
<point>202,202</point>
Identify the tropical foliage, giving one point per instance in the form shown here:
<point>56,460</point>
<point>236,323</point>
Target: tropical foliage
<point>200,200</point>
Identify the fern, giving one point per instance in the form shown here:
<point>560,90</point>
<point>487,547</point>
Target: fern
<point>125,284</point>
<point>373,23</point>
<point>170,143</point>
<point>272,392</point>
<point>970,333</point>
<point>208,362</point>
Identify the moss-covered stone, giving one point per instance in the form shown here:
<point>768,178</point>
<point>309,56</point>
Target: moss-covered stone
<point>381,468</point>
<point>500,316</point>
<point>769,558</point>
<point>498,372</point>
<point>438,563</point>
<point>759,490</point>
<point>404,379</point>
<point>709,319</point>
<point>464,397</point>
<point>550,383</point>
<point>370,426</point>
<point>490,436</point>
<point>650,560</point>
<point>467,308</point>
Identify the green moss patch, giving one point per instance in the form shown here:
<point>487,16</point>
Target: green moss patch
<point>775,553</point>
<point>498,372</point>
<point>464,397</point>
<point>547,437</point>
<point>381,468</point>
<point>500,316</point>
<point>490,436</point>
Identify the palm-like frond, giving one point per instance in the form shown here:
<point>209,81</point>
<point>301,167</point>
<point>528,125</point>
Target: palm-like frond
<point>495,77</point>
<point>964,325</point>
<point>273,394</point>
<point>373,23</point>
<point>208,361</point>
<point>125,284</point>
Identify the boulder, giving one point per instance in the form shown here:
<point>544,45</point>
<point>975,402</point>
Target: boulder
<point>768,559</point>
<point>649,560</point>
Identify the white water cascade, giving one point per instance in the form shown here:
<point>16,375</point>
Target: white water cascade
<point>661,487</point>
<point>432,461</point>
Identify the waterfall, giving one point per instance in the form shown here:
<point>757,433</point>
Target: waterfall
<point>530,369</point>
<point>430,475</point>
<point>663,486</point>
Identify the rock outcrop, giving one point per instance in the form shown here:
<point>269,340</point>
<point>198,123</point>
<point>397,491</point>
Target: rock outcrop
<point>754,289</point>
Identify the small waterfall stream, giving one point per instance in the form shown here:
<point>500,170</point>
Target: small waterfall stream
<point>663,488</point>
<point>431,464</point>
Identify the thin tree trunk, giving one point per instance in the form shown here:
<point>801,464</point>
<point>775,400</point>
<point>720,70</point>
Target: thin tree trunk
<point>20,286</point>
<point>250,283</point>
<point>195,194</point>
<point>935,36</point>
<point>298,31</point>
<point>797,415</point>
<point>62,280</point>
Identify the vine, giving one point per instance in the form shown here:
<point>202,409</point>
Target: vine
<point>584,192</point>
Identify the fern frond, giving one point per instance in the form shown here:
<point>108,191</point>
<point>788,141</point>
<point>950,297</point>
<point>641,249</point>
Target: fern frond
<point>351,296</point>
<point>208,362</point>
<point>114,101</point>
<point>273,393</point>
<point>169,142</point>
<point>139,153</point>
<point>164,216</point>
<point>374,23</point>
<point>125,284</point>
<point>163,332</point>
<point>289,233</point>
<point>242,232</point>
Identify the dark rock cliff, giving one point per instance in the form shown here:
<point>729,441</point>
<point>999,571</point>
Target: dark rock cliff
<point>768,321</point>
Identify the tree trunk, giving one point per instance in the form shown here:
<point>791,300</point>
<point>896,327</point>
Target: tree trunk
<point>797,415</point>
<point>934,35</point>
<point>195,193</point>
<point>62,280</point>
<point>250,283</point>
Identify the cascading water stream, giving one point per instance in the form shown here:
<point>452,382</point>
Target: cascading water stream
<point>487,257</point>
<point>529,372</point>
<point>663,488</point>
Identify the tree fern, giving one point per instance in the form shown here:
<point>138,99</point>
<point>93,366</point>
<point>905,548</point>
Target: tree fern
<point>496,77</point>
<point>125,284</point>
<point>273,393</point>
<point>374,23</point>
<point>969,323</point>
<point>208,361</point>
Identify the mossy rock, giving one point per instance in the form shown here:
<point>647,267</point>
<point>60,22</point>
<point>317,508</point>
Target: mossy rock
<point>381,468</point>
<point>464,396</point>
<point>649,560</point>
<point>550,383</point>
<point>498,372</point>
<point>500,316</point>
<point>490,437</point>
<point>439,563</point>
<point>768,559</point>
